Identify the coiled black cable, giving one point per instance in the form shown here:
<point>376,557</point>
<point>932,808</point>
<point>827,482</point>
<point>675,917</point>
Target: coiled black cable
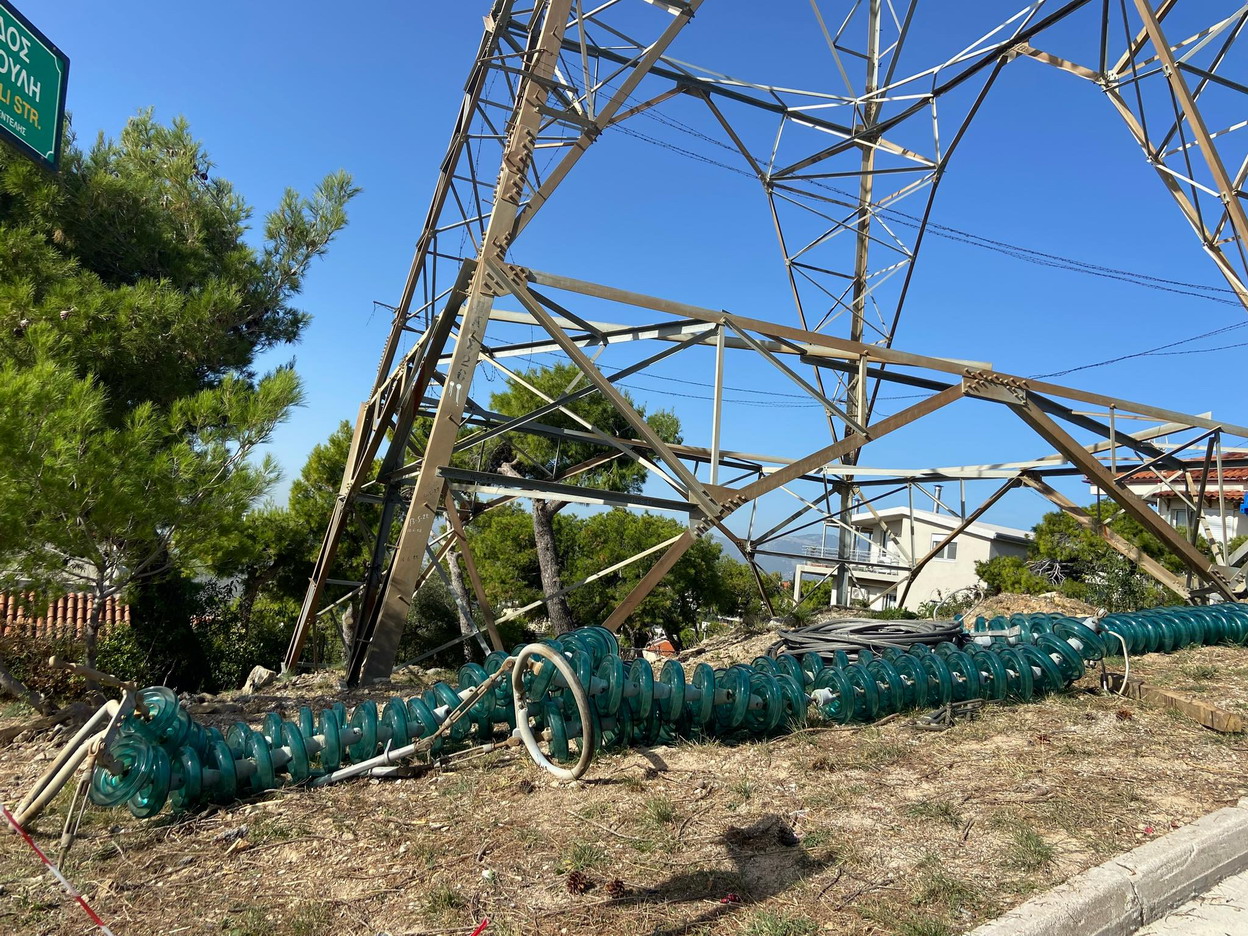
<point>854,634</point>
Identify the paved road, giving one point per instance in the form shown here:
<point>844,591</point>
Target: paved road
<point>1222,911</point>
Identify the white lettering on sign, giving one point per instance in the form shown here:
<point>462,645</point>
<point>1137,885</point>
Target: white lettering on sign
<point>14,51</point>
<point>13,122</point>
<point>19,75</point>
<point>14,39</point>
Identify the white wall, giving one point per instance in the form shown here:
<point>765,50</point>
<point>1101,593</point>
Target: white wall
<point>1236,522</point>
<point>940,576</point>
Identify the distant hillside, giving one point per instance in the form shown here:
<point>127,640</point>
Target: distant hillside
<point>796,545</point>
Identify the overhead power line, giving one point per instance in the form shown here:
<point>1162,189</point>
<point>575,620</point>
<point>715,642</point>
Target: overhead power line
<point>1209,293</point>
<point>1160,350</point>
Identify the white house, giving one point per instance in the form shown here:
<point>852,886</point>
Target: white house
<point>889,543</point>
<point>1173,493</point>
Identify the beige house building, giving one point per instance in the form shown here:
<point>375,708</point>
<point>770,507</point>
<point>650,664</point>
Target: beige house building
<point>1173,494</point>
<point>889,543</point>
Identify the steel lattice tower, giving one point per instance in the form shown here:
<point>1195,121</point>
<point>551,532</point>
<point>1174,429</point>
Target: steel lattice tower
<point>832,165</point>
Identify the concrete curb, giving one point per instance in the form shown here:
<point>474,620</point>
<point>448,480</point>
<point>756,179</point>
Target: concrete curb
<point>1132,890</point>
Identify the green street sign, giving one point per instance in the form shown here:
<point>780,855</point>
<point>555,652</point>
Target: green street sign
<point>33,77</point>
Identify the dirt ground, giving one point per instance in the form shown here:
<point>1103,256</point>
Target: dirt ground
<point>884,830</point>
<point>1007,604</point>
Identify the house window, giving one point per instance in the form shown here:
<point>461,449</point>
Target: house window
<point>949,552</point>
<point>890,600</point>
<point>1179,517</point>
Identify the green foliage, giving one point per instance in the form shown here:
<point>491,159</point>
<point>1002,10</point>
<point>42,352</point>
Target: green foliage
<point>109,504</point>
<point>659,810</point>
<point>542,456</point>
<point>947,606</point>
<point>582,856</point>
<point>1060,537</point>
<point>135,248</point>
<point>938,809</point>
<point>502,542</point>
<point>1011,574</point>
<point>1201,672</point>
<point>312,498</point>
<point>692,589</point>
<point>131,311</point>
<point>431,621</point>
<point>1235,543</point>
<point>570,461</point>
<point>270,551</point>
<point>924,926</point>
<point>188,634</point>
<point>1028,851</point>
<point>1118,585</point>
<point>26,658</point>
<point>894,614</point>
<point>162,645</point>
<point>444,900</point>
<point>1080,564</point>
<point>769,923</point>
<point>739,596</point>
<point>818,596</point>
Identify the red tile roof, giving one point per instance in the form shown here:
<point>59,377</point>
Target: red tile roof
<point>65,618</point>
<point>1194,468</point>
<point>1238,475</point>
<point>1234,479</point>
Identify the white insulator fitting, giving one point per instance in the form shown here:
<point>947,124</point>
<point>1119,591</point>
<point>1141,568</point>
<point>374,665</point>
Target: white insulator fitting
<point>822,696</point>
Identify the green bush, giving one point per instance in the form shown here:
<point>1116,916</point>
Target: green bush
<point>433,620</point>
<point>161,647</point>
<point>187,635</point>
<point>1011,574</point>
<point>27,659</point>
<point>1118,586</point>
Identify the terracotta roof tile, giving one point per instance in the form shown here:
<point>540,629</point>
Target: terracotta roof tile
<point>64,619</point>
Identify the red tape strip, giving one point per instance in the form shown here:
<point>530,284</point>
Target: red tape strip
<point>56,872</point>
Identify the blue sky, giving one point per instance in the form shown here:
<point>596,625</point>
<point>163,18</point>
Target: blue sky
<point>283,92</point>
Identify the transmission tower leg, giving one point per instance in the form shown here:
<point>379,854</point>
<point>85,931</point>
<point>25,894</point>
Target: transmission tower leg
<point>375,652</point>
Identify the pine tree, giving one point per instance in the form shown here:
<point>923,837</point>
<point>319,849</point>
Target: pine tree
<point>542,457</point>
<point>132,310</point>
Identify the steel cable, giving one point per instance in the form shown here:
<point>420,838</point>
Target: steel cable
<point>853,634</point>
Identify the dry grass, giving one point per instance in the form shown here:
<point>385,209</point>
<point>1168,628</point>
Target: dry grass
<point>881,831</point>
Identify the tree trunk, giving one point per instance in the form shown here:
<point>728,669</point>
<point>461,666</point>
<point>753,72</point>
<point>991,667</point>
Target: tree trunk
<point>347,630</point>
<point>91,636</point>
<point>19,690</point>
<point>548,562</point>
<point>547,557</point>
<point>252,586</point>
<point>461,600</point>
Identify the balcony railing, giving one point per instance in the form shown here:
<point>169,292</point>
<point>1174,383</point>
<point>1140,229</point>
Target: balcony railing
<point>864,555</point>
